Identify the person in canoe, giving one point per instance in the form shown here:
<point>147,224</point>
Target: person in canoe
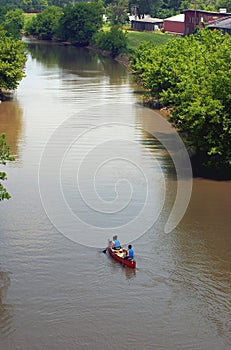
<point>129,255</point>
<point>116,243</point>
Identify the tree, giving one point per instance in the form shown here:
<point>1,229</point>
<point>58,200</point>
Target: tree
<point>154,8</point>
<point>189,75</point>
<point>12,61</point>
<point>59,3</point>
<point>117,11</point>
<point>114,40</point>
<point>80,22</point>
<point>224,4</point>
<point>14,22</point>
<point>4,156</point>
<point>45,24</point>
<point>33,5</point>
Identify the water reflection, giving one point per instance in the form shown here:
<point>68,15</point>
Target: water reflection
<point>90,63</point>
<point>6,314</point>
<point>129,273</point>
<point>11,124</point>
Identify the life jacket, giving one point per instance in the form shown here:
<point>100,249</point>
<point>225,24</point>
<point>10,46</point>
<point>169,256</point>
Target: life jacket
<point>116,243</point>
<point>130,253</point>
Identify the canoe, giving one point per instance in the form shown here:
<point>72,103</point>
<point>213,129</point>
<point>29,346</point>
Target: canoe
<point>118,255</point>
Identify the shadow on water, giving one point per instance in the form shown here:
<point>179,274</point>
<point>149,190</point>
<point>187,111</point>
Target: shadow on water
<point>159,152</point>
<point>6,312</point>
<point>212,173</point>
<point>11,124</point>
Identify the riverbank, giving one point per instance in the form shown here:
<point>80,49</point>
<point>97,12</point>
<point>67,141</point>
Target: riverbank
<point>122,59</point>
<point>197,162</point>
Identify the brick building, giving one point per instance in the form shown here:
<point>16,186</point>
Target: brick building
<point>196,18</point>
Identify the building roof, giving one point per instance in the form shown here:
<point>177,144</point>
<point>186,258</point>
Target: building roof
<point>177,18</point>
<point>149,20</point>
<point>222,23</point>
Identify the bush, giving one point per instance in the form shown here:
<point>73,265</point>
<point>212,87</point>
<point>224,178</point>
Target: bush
<point>114,40</point>
<point>192,76</point>
<point>45,24</point>
<point>80,22</point>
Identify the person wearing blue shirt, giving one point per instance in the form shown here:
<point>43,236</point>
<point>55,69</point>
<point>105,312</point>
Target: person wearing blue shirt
<point>129,253</point>
<point>116,243</point>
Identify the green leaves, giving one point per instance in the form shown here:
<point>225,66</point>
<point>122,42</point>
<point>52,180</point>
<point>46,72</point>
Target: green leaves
<point>75,23</point>
<point>117,11</point>
<point>192,76</point>
<point>114,40</point>
<point>12,61</point>
<point>46,23</point>
<point>14,22</point>
<point>80,22</point>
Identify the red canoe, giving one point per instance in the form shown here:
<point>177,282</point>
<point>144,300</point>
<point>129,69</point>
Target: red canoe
<point>118,255</point>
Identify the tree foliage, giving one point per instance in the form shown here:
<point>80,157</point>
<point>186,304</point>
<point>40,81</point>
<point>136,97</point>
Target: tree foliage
<point>117,11</point>
<point>141,7</point>
<point>14,22</point>
<point>4,156</point>
<point>12,61</point>
<point>155,8</point>
<point>80,22</point>
<point>33,5</point>
<point>114,40</point>
<point>45,24</point>
<point>167,8</point>
<point>192,76</point>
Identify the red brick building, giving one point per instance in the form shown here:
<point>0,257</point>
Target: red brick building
<point>196,18</point>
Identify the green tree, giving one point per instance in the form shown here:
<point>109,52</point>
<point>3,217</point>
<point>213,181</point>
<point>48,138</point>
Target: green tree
<point>33,5</point>
<point>192,76</point>
<point>45,24</point>
<point>224,4</point>
<point>59,3</point>
<point>80,22</point>
<point>14,22</point>
<point>12,61</point>
<point>27,5</point>
<point>117,11</point>
<point>114,40</point>
<point>4,156</point>
<point>154,8</point>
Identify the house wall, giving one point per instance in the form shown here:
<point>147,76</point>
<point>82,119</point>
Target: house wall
<point>174,27</point>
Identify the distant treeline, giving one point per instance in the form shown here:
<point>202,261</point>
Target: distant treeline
<point>155,8</point>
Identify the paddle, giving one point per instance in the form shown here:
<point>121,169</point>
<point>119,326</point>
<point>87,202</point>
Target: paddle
<point>105,250</point>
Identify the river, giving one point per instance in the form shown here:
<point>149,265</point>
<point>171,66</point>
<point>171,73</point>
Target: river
<point>89,163</point>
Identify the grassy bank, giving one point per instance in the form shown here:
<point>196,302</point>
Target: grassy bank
<point>135,38</point>
<point>156,38</point>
